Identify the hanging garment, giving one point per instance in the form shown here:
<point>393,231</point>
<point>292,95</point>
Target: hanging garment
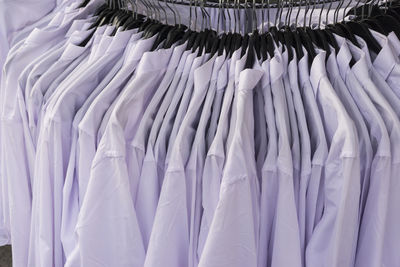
<point>128,142</point>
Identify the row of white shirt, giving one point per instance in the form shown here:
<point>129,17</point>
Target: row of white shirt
<point>115,155</point>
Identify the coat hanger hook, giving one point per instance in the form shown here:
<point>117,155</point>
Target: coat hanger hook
<point>277,13</point>
<point>305,13</point>
<point>299,5</point>
<point>289,14</point>
<point>345,9</point>
<point>312,11</point>
<point>254,18</point>
<point>268,15</point>
<point>320,14</point>
<point>172,10</point>
<point>262,16</point>
<point>327,13</point>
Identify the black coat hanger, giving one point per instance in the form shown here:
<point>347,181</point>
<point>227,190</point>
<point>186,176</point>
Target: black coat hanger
<point>162,35</point>
<point>289,41</point>
<point>185,36</point>
<point>175,35</point>
<point>215,45</point>
<point>118,20</point>
<point>104,12</point>
<point>270,45</point>
<point>344,30</point>
<point>313,36</point>
<point>251,54</point>
<point>191,40</point>
<point>263,47</point>
<point>324,41</point>
<point>257,44</point>
<point>297,44</point>
<point>134,22</point>
<point>236,43</point>
<point>203,42</point>
<point>305,40</point>
<point>221,45</point>
<point>274,32</point>
<point>390,23</point>
<point>227,43</point>
<point>245,44</point>
<point>362,30</point>
<point>197,43</point>
<point>100,9</point>
<point>211,39</point>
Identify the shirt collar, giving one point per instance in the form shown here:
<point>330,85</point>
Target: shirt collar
<point>217,65</point>
<point>332,66</point>
<point>72,51</point>
<point>182,61</point>
<point>265,66</point>
<point>140,47</point>
<point>394,41</point>
<point>343,56</point>
<point>223,76</point>
<point>239,66</point>
<point>304,67</point>
<point>385,61</point>
<point>42,36</point>
<point>360,68</point>
<point>202,75</point>
<point>154,60</point>
<point>364,48</point>
<point>76,26</point>
<point>119,41</point>
<point>317,70</point>
<point>232,66</point>
<point>276,66</point>
<point>249,78</point>
<point>198,60</point>
<point>189,61</point>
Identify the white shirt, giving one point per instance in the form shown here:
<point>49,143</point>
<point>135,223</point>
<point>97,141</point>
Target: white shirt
<point>334,238</point>
<point>90,123</point>
<point>172,229</point>
<point>195,165</point>
<point>160,147</point>
<point>378,211</point>
<point>319,148</point>
<point>387,62</point>
<point>72,56</point>
<point>392,233</point>
<point>293,129</point>
<point>148,190</point>
<point>54,147</point>
<point>233,236</point>
<point>141,161</point>
<point>184,103</point>
<point>124,245</point>
<point>13,139</point>
<point>285,231</point>
<point>74,186</point>
<point>215,160</point>
<point>380,165</point>
<point>341,89</point>
<point>305,147</point>
<point>268,183</point>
